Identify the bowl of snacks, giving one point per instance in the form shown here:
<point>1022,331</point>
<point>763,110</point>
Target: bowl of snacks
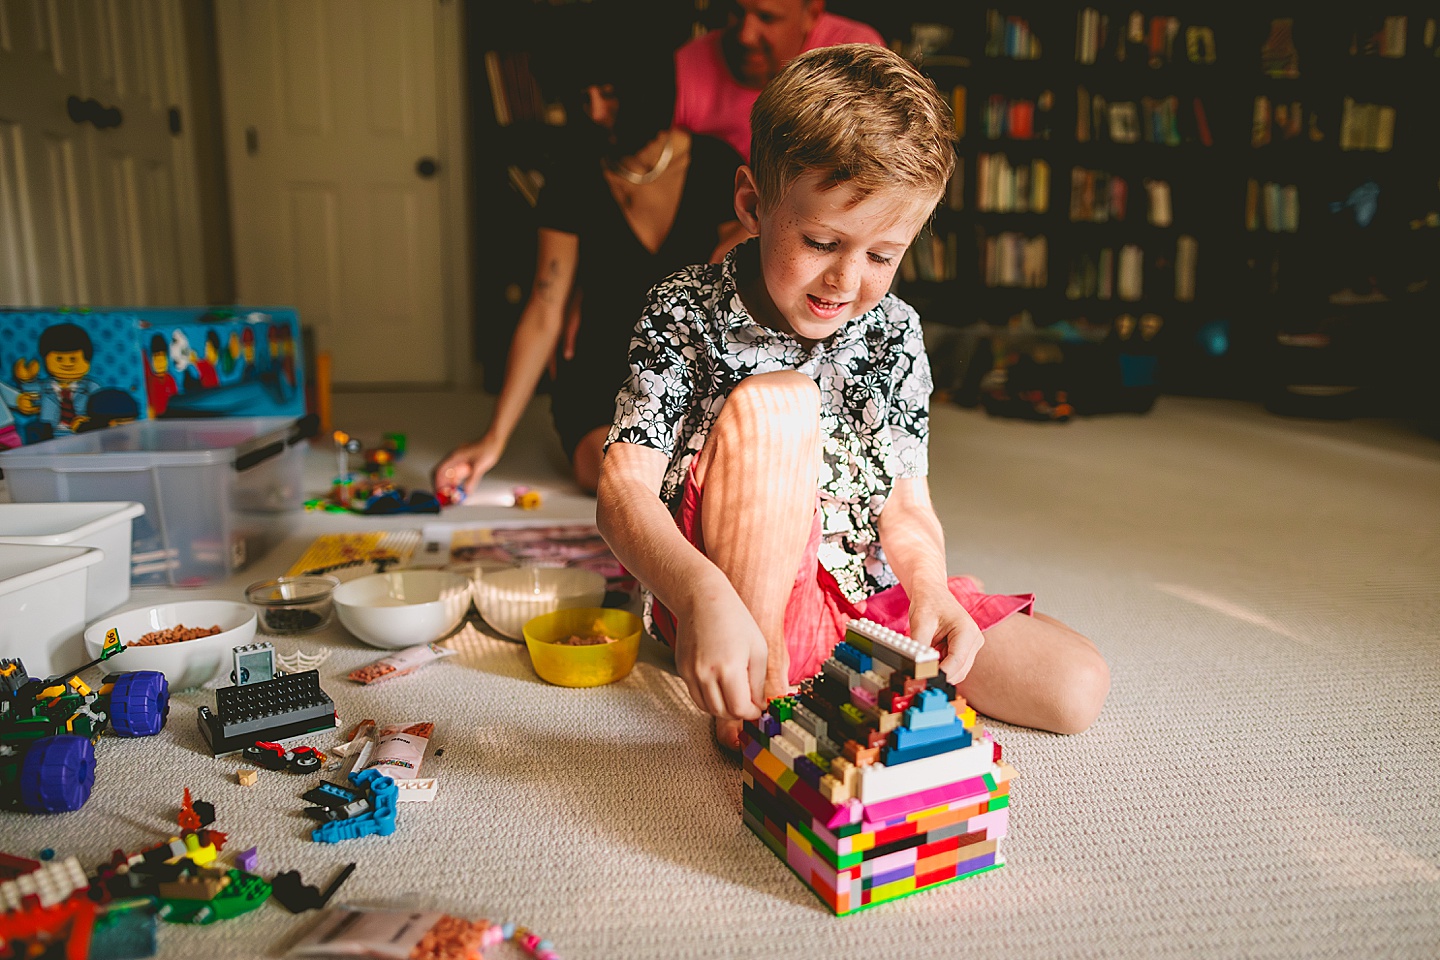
<point>508,599</point>
<point>291,605</point>
<point>583,646</point>
<point>403,608</point>
<point>188,641</point>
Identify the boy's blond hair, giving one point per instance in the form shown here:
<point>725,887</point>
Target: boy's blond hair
<point>855,114</point>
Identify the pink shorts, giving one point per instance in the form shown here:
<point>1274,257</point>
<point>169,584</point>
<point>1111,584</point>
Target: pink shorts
<point>816,613</point>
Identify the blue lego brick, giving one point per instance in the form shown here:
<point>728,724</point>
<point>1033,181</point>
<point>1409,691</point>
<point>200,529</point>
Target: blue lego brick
<point>851,657</point>
<point>891,756</point>
<point>903,739</point>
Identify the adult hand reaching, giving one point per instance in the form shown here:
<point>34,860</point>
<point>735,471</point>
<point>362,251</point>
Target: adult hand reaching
<point>462,468</point>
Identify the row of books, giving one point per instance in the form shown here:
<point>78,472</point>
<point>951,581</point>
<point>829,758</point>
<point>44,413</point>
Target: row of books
<point>1280,121</point>
<point>1101,275</point>
<point>1003,188</point>
<point>1366,126</point>
<point>1012,259</point>
<point>1155,41</point>
<point>931,258</point>
<point>1273,205</point>
<point>514,93</point>
<point>1018,119</point>
<point>1097,196</point>
<point>1010,37</point>
<point>1151,120</point>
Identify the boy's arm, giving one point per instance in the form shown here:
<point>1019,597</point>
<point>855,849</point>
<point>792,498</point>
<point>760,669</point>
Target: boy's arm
<point>914,544</point>
<point>719,650</point>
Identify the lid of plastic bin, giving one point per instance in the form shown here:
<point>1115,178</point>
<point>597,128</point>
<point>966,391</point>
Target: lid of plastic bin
<point>142,444</point>
<point>60,524</point>
<point>24,565</point>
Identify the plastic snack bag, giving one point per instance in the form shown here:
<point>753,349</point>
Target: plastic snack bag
<point>400,663</point>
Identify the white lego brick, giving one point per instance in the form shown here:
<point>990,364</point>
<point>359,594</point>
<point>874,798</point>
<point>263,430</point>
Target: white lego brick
<point>797,736</point>
<point>784,751</point>
<point>416,791</point>
<point>897,649</point>
<point>879,782</point>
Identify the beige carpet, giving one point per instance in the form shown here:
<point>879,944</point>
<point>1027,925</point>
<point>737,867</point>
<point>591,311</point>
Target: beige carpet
<point>1262,783</point>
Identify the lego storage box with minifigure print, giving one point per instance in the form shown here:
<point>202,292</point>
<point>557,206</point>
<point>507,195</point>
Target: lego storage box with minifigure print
<point>215,492</point>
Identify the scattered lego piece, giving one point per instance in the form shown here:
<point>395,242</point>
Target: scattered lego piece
<point>299,661</point>
<point>297,896</point>
<point>240,893</point>
<point>272,756</point>
<point>247,778</point>
<point>288,706</point>
<point>188,818</point>
<point>49,884</point>
<point>416,791</point>
<point>381,792</point>
<point>248,860</point>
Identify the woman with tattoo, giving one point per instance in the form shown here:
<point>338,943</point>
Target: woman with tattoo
<point>638,201</point>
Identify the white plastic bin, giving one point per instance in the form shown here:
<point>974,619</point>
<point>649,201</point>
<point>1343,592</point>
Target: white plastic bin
<point>215,492</point>
<point>104,526</point>
<point>42,605</point>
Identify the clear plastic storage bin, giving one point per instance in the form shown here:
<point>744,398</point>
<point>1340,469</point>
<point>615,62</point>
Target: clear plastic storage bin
<point>215,492</point>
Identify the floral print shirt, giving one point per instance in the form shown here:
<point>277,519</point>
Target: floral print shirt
<point>696,341</point>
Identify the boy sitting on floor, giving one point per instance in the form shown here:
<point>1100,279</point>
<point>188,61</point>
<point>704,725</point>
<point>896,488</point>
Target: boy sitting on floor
<point>776,420</point>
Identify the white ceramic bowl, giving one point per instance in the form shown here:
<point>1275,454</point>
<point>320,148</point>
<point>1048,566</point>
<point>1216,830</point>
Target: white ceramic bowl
<point>185,663</point>
<point>508,599</point>
<point>404,607</point>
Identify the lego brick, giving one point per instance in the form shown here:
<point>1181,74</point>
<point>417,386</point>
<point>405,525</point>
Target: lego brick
<point>918,659</point>
<point>879,783</point>
<point>949,729</point>
<point>892,756</point>
<point>800,738</point>
<point>851,657</point>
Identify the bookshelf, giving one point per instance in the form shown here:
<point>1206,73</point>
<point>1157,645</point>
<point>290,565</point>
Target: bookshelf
<point>1175,172</point>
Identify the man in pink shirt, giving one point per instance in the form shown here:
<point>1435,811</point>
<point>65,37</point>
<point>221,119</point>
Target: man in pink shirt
<point>718,76</point>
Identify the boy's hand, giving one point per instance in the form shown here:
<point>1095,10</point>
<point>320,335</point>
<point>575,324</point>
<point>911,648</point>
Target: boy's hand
<point>720,654</point>
<point>951,629</point>
<point>463,467</point>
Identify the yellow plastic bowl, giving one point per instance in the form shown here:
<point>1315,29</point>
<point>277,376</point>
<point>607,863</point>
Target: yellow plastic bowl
<point>590,666</point>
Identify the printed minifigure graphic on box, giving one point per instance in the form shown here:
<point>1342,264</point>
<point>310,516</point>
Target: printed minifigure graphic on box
<point>65,372</point>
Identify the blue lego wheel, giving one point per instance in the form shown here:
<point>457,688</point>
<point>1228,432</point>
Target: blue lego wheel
<point>57,774</point>
<point>139,703</point>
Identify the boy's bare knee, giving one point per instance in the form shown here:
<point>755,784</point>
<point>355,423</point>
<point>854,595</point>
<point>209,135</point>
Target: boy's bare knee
<point>1087,684</point>
<point>780,391</point>
<point>782,407</point>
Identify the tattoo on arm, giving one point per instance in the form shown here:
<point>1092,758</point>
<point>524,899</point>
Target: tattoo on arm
<point>544,280</point>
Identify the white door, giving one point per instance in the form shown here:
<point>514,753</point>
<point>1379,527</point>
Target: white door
<point>97,193</point>
<point>330,109</point>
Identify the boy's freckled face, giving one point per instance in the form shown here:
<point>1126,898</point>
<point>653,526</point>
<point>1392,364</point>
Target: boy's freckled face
<point>827,260</point>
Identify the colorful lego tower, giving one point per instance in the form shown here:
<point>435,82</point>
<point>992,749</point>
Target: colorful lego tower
<point>875,780</point>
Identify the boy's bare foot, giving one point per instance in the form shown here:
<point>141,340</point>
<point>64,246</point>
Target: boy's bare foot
<point>727,734</point>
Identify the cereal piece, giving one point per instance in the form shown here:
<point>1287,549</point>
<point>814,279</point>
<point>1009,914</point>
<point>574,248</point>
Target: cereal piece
<point>175,634</point>
<point>589,640</point>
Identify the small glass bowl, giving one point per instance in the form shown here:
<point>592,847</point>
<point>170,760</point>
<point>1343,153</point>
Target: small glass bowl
<point>291,605</point>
